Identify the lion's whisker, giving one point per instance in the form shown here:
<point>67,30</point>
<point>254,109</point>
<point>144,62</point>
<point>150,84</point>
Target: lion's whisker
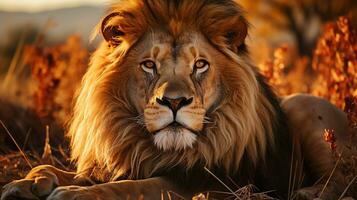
<point>138,119</point>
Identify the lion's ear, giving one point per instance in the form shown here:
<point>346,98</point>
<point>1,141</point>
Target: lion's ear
<point>230,33</point>
<point>111,31</point>
<point>235,36</point>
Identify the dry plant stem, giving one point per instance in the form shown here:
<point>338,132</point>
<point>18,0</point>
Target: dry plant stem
<point>174,193</point>
<point>26,139</point>
<point>14,62</point>
<point>346,189</point>
<point>290,189</point>
<point>228,188</point>
<point>329,178</point>
<point>13,139</point>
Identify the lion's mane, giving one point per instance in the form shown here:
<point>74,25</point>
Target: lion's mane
<point>107,142</point>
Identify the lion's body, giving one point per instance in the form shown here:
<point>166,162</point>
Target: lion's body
<point>126,124</point>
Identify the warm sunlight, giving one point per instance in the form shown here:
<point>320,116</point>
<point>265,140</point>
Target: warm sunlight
<point>178,99</point>
<point>40,5</point>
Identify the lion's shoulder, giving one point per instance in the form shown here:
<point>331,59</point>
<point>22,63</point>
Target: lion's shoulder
<point>308,118</point>
<point>313,110</point>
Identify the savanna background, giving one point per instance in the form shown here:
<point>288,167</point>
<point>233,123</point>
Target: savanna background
<point>307,46</point>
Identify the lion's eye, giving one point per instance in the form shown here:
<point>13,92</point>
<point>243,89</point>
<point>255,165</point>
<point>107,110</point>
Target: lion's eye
<point>201,65</point>
<point>148,66</point>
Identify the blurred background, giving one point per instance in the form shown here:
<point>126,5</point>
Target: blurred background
<point>299,45</point>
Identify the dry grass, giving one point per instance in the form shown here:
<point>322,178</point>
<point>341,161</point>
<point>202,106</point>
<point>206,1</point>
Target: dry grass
<point>56,73</point>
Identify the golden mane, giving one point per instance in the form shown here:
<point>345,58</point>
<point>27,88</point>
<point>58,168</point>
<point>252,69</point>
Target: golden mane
<point>104,133</point>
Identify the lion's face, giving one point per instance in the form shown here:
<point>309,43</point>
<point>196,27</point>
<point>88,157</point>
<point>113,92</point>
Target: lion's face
<point>180,83</point>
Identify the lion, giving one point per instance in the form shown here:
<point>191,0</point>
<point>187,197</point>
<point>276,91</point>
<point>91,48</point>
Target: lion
<point>171,97</point>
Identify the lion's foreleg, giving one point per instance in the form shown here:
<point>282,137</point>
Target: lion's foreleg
<point>60,177</point>
<point>152,188</point>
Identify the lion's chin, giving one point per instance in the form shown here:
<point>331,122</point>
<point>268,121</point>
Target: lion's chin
<point>174,138</point>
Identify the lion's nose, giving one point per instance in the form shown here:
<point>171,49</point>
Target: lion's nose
<point>174,104</point>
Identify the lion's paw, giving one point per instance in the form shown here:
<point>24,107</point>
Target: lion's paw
<point>18,189</point>
<point>73,193</point>
<point>33,188</point>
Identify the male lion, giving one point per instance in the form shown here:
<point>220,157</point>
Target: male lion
<point>171,91</point>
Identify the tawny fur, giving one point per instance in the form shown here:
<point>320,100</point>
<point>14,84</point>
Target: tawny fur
<point>103,132</point>
<point>234,124</point>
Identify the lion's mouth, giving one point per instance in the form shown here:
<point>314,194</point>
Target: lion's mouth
<point>174,136</point>
<point>176,127</point>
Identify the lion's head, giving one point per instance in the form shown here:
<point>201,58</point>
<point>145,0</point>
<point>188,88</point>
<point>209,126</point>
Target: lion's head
<point>171,85</point>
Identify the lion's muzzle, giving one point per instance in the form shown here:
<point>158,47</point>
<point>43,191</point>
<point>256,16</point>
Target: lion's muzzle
<point>173,118</point>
